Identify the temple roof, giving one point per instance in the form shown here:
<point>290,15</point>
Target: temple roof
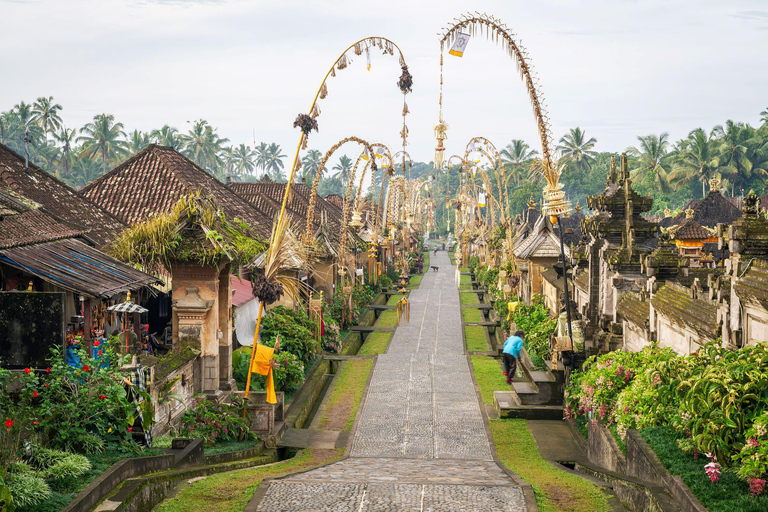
<point>752,287</point>
<point>710,211</point>
<point>541,243</point>
<point>633,309</point>
<point>692,230</point>
<point>675,302</point>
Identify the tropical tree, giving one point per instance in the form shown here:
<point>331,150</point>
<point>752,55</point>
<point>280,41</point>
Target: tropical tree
<point>740,149</point>
<point>167,136</point>
<point>275,164</point>
<point>764,116</point>
<point>653,160</point>
<point>697,161</point>
<point>343,169</point>
<point>262,156</point>
<point>85,170</point>
<point>576,150</point>
<point>310,162</point>
<point>137,141</point>
<point>103,136</point>
<point>45,113</point>
<point>203,145</point>
<point>515,158</point>
<point>243,160</point>
<point>66,139</point>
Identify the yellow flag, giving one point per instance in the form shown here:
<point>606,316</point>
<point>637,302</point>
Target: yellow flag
<point>262,364</point>
<point>459,45</point>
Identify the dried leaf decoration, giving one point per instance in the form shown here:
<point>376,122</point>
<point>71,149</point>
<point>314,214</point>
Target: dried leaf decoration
<point>343,62</point>
<point>406,81</point>
<point>306,123</point>
<point>358,49</point>
<point>323,91</point>
<point>405,109</point>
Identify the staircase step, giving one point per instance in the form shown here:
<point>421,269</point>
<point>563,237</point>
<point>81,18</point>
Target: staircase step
<point>525,388</point>
<point>539,376</point>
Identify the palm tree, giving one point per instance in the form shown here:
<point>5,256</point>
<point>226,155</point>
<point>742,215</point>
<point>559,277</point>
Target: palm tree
<point>653,159</point>
<point>697,161</point>
<point>65,138</point>
<point>310,163</point>
<point>343,169</point>
<point>103,136</point>
<point>84,170</point>
<point>576,152</point>
<point>515,157</point>
<point>166,136</point>
<point>137,141</point>
<point>740,151</point>
<point>764,116</point>
<point>45,113</point>
<point>262,156</point>
<point>275,162</point>
<point>243,160</point>
<point>203,145</point>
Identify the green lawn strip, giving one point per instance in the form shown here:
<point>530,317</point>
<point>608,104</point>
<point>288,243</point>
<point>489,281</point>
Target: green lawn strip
<point>388,318</point>
<point>471,315</point>
<point>425,256</point>
<point>554,488</point>
<point>489,378</point>
<point>230,446</point>
<point>231,491</point>
<point>464,269</point>
<point>469,298</point>
<point>475,336</point>
<point>728,494</point>
<point>393,300</point>
<point>347,392</point>
<point>376,343</point>
<point>416,280</point>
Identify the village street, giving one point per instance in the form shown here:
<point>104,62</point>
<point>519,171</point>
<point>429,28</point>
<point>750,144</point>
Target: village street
<point>420,442</point>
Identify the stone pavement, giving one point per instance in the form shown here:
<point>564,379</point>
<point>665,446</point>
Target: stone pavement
<point>420,443</point>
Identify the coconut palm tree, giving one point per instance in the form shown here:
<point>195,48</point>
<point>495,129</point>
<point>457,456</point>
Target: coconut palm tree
<point>739,148</point>
<point>343,169</point>
<point>85,170</point>
<point>275,164</point>
<point>167,136</point>
<point>653,160</point>
<point>310,163</point>
<point>243,160</point>
<point>137,141</point>
<point>515,157</point>
<point>203,145</point>
<point>262,156</point>
<point>697,161</point>
<point>764,116</point>
<point>65,138</point>
<point>576,151</point>
<point>45,113</point>
<point>103,136</point>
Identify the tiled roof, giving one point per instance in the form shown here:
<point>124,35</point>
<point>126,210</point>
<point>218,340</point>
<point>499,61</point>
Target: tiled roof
<point>675,303</point>
<point>57,199</point>
<point>335,200</point>
<point>634,310</point>
<point>153,181</point>
<point>710,211</point>
<point>75,266</point>
<point>31,227</point>
<point>581,280</point>
<point>692,230</point>
<point>752,287</point>
<point>541,243</point>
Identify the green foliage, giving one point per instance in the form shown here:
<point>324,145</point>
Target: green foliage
<point>52,464</point>
<point>475,338</point>
<point>296,331</point>
<point>27,489</point>
<point>214,421</point>
<point>537,326</point>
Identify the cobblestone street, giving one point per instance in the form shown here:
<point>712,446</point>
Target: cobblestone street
<point>421,443</point>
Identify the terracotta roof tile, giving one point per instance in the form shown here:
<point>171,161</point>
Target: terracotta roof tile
<point>31,227</point>
<point>153,180</point>
<point>692,230</point>
<point>60,201</point>
<point>710,211</point>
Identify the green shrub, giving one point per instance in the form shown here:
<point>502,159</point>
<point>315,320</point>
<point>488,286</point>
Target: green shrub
<point>214,421</point>
<point>537,325</point>
<point>27,489</point>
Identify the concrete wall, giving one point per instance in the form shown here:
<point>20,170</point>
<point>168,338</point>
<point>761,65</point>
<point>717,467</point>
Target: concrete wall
<point>755,324</point>
<point>635,338</point>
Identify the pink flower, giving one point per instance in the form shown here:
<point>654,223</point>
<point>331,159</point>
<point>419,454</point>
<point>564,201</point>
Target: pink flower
<point>713,471</point>
<point>601,410</point>
<point>756,486</point>
<point>753,443</point>
<point>656,379</point>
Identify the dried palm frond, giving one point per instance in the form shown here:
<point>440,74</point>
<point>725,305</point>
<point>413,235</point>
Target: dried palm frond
<point>306,123</point>
<point>286,253</point>
<point>406,80</point>
<point>323,91</point>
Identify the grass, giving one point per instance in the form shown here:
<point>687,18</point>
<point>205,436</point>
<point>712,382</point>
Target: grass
<point>425,255</point>
<point>468,298</point>
<point>346,395</point>
<point>388,318</point>
<point>416,280</point>
<point>393,300</point>
<point>465,282</point>
<point>475,338</point>
<point>230,446</point>
<point>554,488</point>
<point>471,315</point>
<point>376,343</point>
<point>231,491</point>
<point>728,494</point>
<point>489,378</point>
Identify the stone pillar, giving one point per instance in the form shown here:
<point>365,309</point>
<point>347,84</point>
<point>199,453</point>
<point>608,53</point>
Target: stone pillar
<point>226,382</point>
<point>196,317</point>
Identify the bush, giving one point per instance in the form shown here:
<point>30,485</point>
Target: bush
<point>27,489</point>
<point>296,331</point>
<point>538,326</point>
<point>214,421</point>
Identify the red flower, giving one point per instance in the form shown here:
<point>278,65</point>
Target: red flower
<point>34,394</point>
<point>48,370</point>
<point>130,428</point>
<point>99,352</point>
<point>27,370</point>
<point>8,423</point>
<point>34,422</point>
<point>96,343</point>
<point>86,368</point>
<point>102,397</point>
<point>46,384</point>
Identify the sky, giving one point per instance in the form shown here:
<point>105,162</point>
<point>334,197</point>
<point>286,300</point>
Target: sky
<point>615,68</point>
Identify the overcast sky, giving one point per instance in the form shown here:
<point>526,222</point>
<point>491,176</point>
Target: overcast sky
<point>615,68</point>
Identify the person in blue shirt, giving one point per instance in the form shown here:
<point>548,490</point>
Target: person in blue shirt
<point>511,354</point>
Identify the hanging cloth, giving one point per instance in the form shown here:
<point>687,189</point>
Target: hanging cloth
<point>262,364</point>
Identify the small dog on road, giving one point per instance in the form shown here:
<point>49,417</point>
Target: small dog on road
<point>434,268</point>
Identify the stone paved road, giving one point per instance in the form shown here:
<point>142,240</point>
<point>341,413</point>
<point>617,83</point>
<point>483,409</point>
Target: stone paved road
<point>420,444</point>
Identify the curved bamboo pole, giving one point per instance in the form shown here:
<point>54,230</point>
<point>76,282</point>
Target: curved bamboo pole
<point>495,160</point>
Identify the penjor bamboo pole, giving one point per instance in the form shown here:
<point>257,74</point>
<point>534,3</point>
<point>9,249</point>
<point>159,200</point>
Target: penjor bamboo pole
<point>253,350</point>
